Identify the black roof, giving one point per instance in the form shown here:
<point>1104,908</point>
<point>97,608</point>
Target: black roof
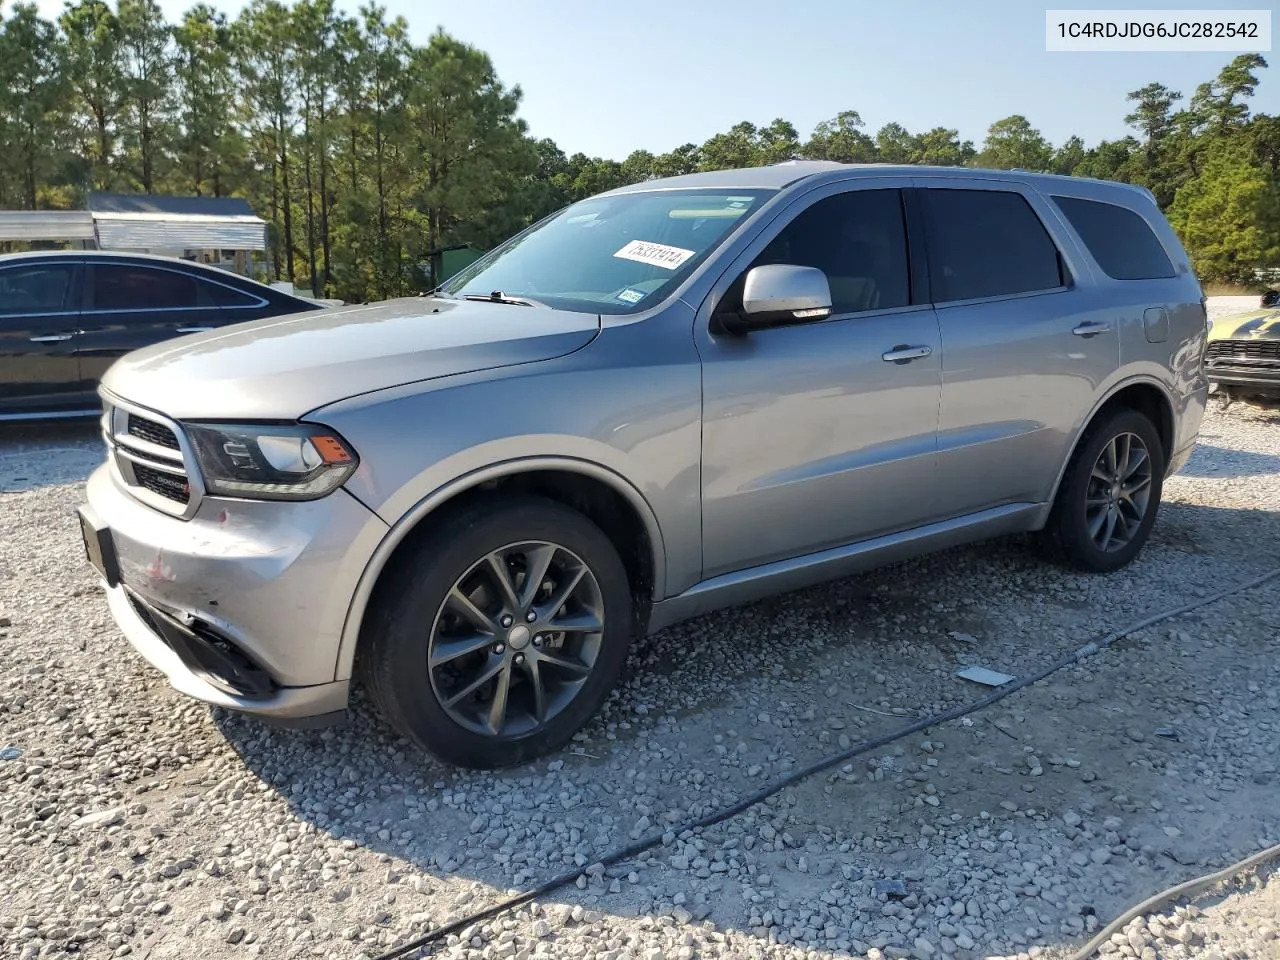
<point>200,206</point>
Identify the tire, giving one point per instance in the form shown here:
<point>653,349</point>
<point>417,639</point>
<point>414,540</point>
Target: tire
<point>418,617</point>
<point>1072,536</point>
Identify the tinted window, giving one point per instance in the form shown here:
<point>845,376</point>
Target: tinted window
<point>858,240</point>
<point>142,288</point>
<point>1119,239</point>
<point>987,243</point>
<point>36,289</point>
<point>215,294</point>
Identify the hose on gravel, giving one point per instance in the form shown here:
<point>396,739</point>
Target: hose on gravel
<point>1189,889</point>
<point>776,786</point>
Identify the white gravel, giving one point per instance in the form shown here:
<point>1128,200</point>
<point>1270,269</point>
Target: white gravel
<point>136,823</point>
<point>1225,306</point>
<point>1240,920</point>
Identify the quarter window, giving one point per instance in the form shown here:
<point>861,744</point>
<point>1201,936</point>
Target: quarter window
<point>987,243</point>
<point>143,288</point>
<point>36,289</point>
<point>215,294</point>
<point>1121,241</point>
<point>859,241</point>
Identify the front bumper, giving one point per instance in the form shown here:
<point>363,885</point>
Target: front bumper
<point>1253,379</point>
<point>243,605</point>
<point>283,703</point>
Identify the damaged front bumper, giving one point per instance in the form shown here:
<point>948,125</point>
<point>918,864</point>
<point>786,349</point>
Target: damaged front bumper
<point>243,605</point>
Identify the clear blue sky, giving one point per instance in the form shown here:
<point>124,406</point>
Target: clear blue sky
<point>605,78</point>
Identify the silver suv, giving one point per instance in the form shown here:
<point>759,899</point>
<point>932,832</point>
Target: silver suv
<point>673,397</point>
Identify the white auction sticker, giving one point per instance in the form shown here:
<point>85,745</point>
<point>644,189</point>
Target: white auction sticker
<point>655,254</point>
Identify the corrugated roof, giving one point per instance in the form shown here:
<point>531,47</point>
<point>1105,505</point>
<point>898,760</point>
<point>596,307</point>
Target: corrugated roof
<point>182,206</point>
<point>31,225</point>
<point>152,232</point>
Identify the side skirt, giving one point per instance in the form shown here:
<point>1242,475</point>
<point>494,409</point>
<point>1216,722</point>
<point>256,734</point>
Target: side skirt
<point>782,576</point>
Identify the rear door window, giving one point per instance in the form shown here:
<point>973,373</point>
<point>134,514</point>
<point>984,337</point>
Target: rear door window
<point>1121,241</point>
<point>987,243</point>
<point>128,287</point>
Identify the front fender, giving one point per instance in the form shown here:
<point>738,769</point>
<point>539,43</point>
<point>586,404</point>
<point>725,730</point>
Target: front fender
<point>422,509</point>
<point>626,411</point>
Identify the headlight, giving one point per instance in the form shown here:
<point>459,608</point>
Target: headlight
<point>271,461</point>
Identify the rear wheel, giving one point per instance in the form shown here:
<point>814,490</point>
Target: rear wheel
<point>1109,496</point>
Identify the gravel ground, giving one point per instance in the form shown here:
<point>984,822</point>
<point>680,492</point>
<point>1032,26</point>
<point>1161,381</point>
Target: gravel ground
<point>136,823</point>
<point>1238,922</point>
<point>1225,306</point>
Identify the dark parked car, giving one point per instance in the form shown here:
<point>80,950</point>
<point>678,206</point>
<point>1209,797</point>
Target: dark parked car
<point>66,316</point>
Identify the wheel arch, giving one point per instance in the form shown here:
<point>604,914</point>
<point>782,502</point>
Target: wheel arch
<point>1144,394</point>
<point>594,490</point>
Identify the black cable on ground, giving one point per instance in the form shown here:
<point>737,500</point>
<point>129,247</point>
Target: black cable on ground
<point>1189,889</point>
<point>776,786</point>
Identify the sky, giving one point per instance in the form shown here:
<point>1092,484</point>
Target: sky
<point>604,77</point>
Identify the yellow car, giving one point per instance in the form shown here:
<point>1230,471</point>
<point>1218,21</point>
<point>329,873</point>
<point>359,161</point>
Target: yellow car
<point>1243,355</point>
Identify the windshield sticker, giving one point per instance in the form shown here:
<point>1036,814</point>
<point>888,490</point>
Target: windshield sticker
<point>631,295</point>
<point>654,254</point>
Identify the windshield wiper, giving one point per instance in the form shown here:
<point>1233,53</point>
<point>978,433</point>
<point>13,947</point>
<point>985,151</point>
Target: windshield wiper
<point>499,297</point>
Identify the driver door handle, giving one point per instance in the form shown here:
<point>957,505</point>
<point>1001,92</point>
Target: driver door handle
<point>1092,328</point>
<point>52,338</point>
<point>905,353</point>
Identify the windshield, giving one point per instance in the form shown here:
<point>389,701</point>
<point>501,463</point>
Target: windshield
<point>609,254</point>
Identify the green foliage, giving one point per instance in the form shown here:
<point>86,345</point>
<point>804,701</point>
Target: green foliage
<point>207,146</point>
<point>146,45</point>
<point>365,152</point>
<point>1012,143</point>
<point>94,71</point>
<point>841,139</point>
<point>1229,216</point>
<point>894,144</point>
<point>33,79</point>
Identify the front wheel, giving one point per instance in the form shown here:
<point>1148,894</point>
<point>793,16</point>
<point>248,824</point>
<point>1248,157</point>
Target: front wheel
<point>1107,502</point>
<point>501,634</point>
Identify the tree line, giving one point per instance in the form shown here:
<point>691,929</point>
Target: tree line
<point>365,151</point>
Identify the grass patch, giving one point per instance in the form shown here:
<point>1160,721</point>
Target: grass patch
<point>1230,290</point>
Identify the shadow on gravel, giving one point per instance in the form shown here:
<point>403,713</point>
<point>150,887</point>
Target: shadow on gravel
<point>34,455</point>
<point>713,708</point>
<point>1227,463</point>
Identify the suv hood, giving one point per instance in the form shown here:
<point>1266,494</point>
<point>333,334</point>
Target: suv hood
<point>284,367</point>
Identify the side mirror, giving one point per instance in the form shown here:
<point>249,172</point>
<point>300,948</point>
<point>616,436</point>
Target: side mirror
<point>781,293</point>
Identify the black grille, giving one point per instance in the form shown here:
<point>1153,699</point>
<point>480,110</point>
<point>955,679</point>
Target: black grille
<point>1264,352</point>
<point>144,612</point>
<point>152,432</point>
<point>164,484</point>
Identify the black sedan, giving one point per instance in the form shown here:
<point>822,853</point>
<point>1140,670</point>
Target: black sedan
<point>66,316</point>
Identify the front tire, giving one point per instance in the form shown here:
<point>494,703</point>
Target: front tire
<point>1109,496</point>
<point>501,634</point>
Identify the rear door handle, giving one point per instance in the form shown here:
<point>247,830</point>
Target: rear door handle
<point>1091,329</point>
<point>52,338</point>
<point>903,353</point>
<point>194,329</point>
